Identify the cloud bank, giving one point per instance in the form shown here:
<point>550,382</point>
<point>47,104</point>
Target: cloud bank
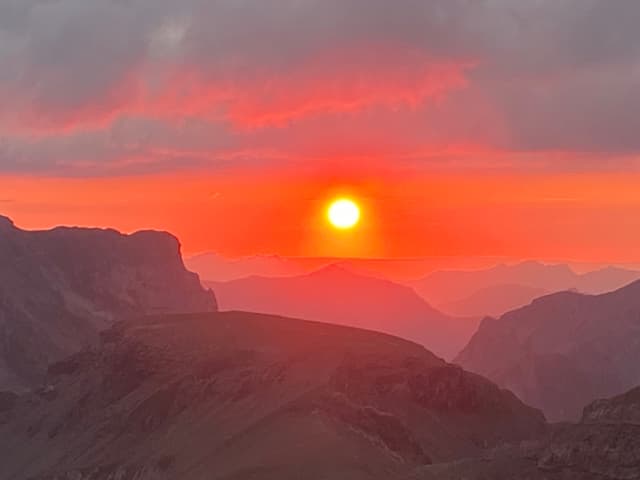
<point>99,87</point>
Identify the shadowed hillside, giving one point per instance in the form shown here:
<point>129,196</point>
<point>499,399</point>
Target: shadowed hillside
<point>563,350</point>
<point>240,395</point>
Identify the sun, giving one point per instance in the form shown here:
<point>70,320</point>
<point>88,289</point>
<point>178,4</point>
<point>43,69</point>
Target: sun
<point>343,213</point>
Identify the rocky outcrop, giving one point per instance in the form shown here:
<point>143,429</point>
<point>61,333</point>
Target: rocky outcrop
<point>624,409</point>
<point>605,445</point>
<point>562,351</point>
<point>238,395</point>
<point>59,288</point>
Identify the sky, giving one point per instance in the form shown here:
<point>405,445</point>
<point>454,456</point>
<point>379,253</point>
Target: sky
<point>463,128</point>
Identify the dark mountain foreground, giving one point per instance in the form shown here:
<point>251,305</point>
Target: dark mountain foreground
<point>562,351</point>
<point>336,295</point>
<point>605,445</point>
<point>59,288</point>
<point>249,396</point>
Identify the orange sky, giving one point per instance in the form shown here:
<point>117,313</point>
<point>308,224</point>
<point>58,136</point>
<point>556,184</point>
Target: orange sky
<point>585,217</point>
<point>464,128</point>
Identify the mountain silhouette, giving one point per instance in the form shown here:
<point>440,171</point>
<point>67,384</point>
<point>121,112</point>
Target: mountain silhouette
<point>336,295</point>
<point>502,288</point>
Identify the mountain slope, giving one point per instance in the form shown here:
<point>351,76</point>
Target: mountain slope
<point>58,288</point>
<point>239,396</point>
<point>563,350</point>
<point>335,295</point>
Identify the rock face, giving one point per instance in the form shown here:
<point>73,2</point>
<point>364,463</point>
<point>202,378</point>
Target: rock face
<point>58,288</point>
<point>623,409</point>
<point>336,295</point>
<point>605,445</point>
<point>242,396</point>
<point>563,350</point>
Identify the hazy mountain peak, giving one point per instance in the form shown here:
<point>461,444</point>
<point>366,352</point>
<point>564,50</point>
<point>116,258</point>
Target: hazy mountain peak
<point>335,294</point>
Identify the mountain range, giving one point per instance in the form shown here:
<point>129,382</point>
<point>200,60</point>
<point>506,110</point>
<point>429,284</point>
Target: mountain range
<point>502,288</point>
<point>242,396</point>
<point>116,365</point>
<point>215,267</point>
<point>248,396</point>
<point>467,288</point>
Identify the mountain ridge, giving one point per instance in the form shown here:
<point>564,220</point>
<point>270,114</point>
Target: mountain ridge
<point>563,350</point>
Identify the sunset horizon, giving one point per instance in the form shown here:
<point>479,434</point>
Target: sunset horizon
<point>319,240</point>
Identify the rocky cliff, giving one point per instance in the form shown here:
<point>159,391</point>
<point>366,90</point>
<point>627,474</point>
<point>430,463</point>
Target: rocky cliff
<point>562,351</point>
<point>59,288</point>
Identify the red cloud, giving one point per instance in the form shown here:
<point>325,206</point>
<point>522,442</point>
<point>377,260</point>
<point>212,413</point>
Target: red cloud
<point>250,96</point>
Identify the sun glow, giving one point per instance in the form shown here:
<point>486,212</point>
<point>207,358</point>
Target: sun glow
<point>343,213</point>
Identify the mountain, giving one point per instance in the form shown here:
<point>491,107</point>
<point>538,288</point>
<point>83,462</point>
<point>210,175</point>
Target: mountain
<point>478,292</point>
<point>563,350</point>
<point>247,396</point>
<point>59,288</point>
<point>604,445</point>
<point>336,295</point>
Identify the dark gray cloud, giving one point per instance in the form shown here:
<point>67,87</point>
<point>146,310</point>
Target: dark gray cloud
<point>146,84</point>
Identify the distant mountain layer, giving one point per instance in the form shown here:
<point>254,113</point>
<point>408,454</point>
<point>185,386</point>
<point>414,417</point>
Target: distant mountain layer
<point>497,290</point>
<point>563,350</point>
<point>335,295</point>
<point>248,396</point>
<point>58,288</point>
<point>494,300</point>
<point>215,267</point>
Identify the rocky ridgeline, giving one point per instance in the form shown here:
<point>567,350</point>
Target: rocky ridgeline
<point>59,288</point>
<point>605,444</point>
<point>240,395</point>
